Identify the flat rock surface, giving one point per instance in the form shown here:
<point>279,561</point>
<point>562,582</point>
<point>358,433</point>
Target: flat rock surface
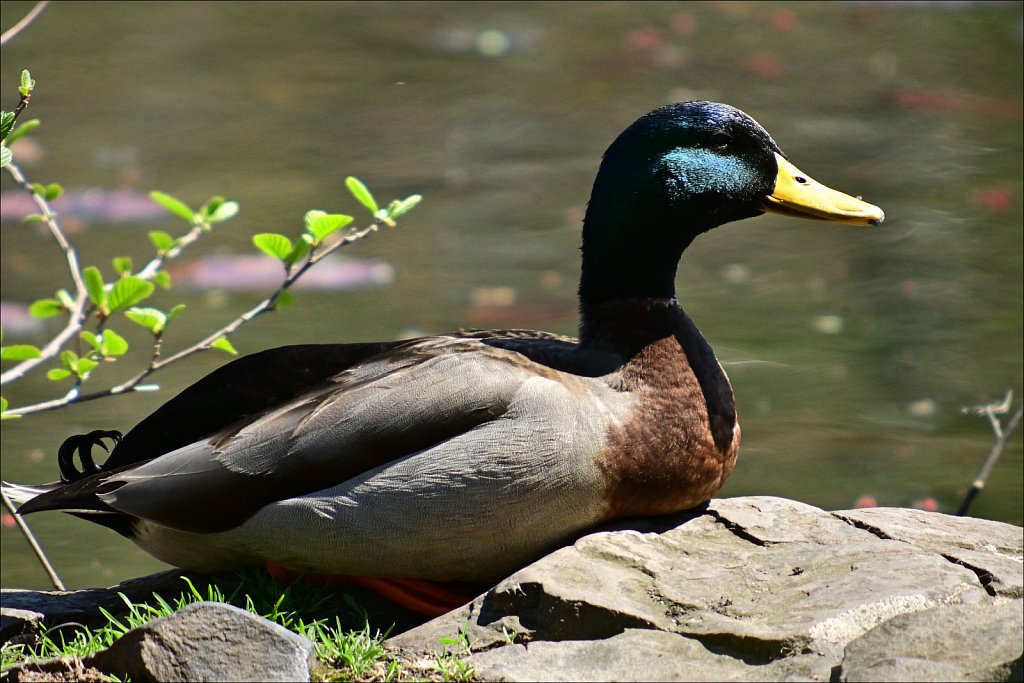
<point>756,588</point>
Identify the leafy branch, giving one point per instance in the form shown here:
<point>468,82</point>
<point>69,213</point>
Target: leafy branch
<point>94,298</point>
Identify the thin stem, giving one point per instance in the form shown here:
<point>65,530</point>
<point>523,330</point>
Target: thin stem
<point>36,548</point>
<point>154,266</point>
<point>77,317</point>
<point>20,26</point>
<point>1001,437</point>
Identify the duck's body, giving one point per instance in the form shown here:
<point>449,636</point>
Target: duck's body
<point>465,456</point>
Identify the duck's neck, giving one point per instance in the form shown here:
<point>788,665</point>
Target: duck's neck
<point>627,325</point>
<point>637,261</point>
<point>627,287</point>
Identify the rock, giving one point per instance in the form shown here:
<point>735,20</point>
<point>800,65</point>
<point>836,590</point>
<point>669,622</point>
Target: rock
<point>208,641</point>
<point>996,560</point>
<point>950,643</point>
<point>756,589</point>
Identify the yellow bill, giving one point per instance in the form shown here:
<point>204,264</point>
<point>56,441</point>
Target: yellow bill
<point>797,194</point>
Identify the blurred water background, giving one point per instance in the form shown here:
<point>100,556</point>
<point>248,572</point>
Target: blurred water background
<point>851,351</point>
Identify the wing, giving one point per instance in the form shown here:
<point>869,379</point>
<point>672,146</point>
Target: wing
<point>368,415</point>
<point>242,388</point>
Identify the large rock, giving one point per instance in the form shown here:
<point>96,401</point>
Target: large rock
<point>757,589</point>
<point>206,641</point>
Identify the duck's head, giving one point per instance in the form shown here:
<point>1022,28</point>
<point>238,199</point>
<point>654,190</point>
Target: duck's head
<point>677,172</point>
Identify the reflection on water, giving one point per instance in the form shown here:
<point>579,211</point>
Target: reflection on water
<point>851,351</point>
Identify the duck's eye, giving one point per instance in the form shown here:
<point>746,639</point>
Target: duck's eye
<point>720,140</point>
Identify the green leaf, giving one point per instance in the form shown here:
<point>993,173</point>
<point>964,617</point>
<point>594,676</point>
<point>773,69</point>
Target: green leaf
<point>45,308</point>
<point>224,212</point>
<point>223,344</point>
<point>3,410</point>
<point>397,208</point>
<point>22,129</point>
<point>65,299</point>
<point>175,311</point>
<point>27,84</point>
<point>162,279</point>
<point>312,216</point>
<point>324,225</point>
<point>284,300</point>
<point>273,244</point>
<point>6,124</point>
<point>302,248</point>
<point>153,319</point>
<point>57,374</point>
<point>94,285</point>
<point>33,218</point>
<point>129,291</point>
<point>175,206</point>
<point>52,191</point>
<point>362,194</point>
<point>123,265</point>
<point>113,343</point>
<point>92,340</point>
<point>211,205</point>
<point>6,156</point>
<point>83,366</point>
<point>162,240</point>
<point>68,358</point>
<point>19,352</point>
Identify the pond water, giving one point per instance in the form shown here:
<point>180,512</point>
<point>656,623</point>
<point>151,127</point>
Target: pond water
<point>851,351</point>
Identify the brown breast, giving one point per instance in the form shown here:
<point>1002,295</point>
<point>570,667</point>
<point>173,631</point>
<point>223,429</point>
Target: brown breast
<point>674,452</point>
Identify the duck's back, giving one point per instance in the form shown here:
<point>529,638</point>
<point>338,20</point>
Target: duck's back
<point>470,459</point>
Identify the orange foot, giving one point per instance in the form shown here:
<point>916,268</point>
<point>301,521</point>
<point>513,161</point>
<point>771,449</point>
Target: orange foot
<point>431,598</point>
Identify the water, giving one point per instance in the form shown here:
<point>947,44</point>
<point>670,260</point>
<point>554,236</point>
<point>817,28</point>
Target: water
<point>851,351</point>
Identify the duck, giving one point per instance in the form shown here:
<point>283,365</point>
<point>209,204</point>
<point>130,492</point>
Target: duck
<point>459,458</point>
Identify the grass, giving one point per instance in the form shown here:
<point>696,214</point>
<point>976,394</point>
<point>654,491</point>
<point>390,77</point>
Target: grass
<point>342,654</point>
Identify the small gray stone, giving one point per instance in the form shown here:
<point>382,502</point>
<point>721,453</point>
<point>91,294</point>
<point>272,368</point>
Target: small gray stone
<point>17,622</point>
<point>208,641</point>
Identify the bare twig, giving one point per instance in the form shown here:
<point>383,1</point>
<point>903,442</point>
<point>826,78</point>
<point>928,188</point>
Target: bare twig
<point>204,344</point>
<point>77,316</point>
<point>26,20</point>
<point>36,548</point>
<point>1002,435</point>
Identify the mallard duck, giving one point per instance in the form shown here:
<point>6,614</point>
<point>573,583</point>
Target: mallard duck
<point>463,457</point>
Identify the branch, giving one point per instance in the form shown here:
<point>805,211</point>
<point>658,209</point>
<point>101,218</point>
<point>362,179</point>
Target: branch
<point>77,318</point>
<point>20,26</point>
<point>204,344</point>
<point>1001,437</point>
<point>262,307</point>
<point>36,548</point>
